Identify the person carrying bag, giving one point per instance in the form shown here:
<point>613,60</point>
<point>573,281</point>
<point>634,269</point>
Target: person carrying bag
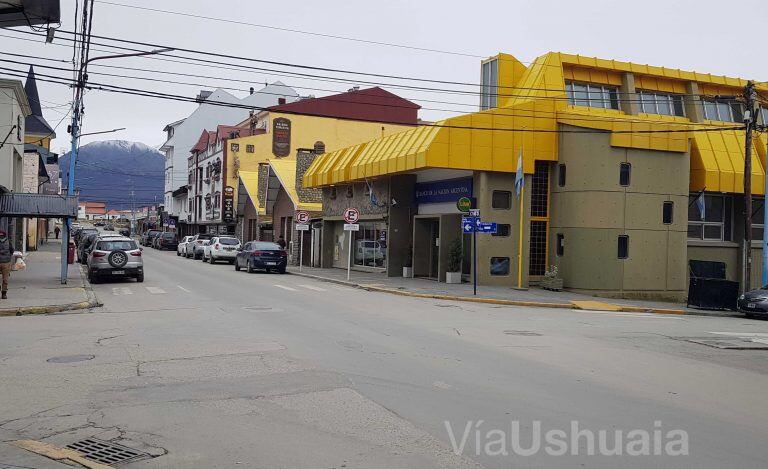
<point>6,261</point>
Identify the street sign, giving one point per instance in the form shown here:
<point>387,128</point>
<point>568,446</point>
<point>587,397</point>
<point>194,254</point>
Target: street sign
<point>302,227</point>
<point>301,216</point>
<point>464,204</point>
<point>351,215</point>
<point>474,212</point>
<point>486,227</point>
<point>468,224</point>
<point>351,227</point>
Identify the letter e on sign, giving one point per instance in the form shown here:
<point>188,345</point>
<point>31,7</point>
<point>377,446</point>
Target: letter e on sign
<point>351,215</point>
<point>302,216</point>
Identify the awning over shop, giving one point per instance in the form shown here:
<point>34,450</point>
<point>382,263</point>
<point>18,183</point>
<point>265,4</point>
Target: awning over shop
<point>285,170</point>
<point>717,162</point>
<point>250,180</point>
<point>37,205</point>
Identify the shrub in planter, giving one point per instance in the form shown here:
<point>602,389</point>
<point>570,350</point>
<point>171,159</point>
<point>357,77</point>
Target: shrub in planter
<point>455,256</point>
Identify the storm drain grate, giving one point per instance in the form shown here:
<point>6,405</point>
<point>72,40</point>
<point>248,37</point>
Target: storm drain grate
<point>107,452</point>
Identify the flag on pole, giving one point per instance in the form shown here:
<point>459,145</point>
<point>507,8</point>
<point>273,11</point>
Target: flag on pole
<point>701,204</point>
<point>520,176</point>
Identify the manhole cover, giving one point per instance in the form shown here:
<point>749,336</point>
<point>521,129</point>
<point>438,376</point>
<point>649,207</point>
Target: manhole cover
<point>71,358</point>
<point>107,452</point>
<point>524,333</point>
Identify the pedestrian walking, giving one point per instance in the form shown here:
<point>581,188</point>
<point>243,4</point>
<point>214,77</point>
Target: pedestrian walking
<point>6,260</point>
<point>56,232</point>
<point>281,242</point>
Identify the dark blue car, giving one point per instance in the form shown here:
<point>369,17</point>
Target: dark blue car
<point>261,255</point>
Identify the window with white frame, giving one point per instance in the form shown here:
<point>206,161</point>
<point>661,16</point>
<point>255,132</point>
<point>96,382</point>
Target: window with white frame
<point>758,218</point>
<point>490,81</point>
<point>592,95</point>
<point>666,104</point>
<point>714,224</point>
<point>723,110</point>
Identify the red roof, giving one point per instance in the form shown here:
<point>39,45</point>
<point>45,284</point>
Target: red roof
<point>202,143</point>
<point>95,204</point>
<point>224,131</point>
<point>371,104</point>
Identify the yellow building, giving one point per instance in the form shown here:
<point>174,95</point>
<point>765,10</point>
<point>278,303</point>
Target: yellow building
<point>636,142</point>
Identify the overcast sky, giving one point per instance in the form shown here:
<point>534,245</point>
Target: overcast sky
<point>684,34</point>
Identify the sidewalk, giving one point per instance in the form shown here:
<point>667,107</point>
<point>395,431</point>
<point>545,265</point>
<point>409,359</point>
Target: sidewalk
<point>38,289</point>
<point>536,297</point>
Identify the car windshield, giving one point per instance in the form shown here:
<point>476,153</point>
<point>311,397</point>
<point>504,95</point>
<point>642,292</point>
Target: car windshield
<point>168,236</point>
<point>262,246</point>
<point>229,241</point>
<point>115,245</point>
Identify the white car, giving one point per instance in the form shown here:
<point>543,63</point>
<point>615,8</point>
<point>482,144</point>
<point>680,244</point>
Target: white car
<point>221,248</point>
<point>181,249</point>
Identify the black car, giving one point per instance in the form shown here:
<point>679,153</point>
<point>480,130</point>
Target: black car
<point>167,240</point>
<point>85,245</point>
<point>261,255</point>
<point>754,303</point>
<point>125,232</point>
<point>147,237</point>
<point>84,233</point>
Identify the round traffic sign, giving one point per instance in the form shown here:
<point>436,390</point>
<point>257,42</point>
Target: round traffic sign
<point>302,216</point>
<point>351,215</point>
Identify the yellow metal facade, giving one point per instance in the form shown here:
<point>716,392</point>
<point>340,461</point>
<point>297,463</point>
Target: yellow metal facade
<point>532,103</point>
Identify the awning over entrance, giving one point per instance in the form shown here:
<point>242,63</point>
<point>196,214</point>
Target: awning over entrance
<point>37,205</point>
<point>717,162</point>
<point>250,180</point>
<point>285,170</point>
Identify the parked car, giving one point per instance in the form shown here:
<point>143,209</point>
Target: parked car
<point>109,227</point>
<point>83,233</point>
<point>115,257</point>
<point>754,303</point>
<point>125,232</point>
<point>167,240</point>
<point>99,223</point>
<point>153,239</point>
<point>198,243</point>
<point>261,255</point>
<point>145,238</point>
<point>84,246</point>
<point>181,248</point>
<point>221,248</point>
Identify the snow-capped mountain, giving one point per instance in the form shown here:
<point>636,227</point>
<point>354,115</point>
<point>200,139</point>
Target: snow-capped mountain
<point>107,171</point>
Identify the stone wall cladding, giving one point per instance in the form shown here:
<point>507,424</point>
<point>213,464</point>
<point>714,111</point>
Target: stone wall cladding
<point>304,160</point>
<point>359,200</point>
<point>262,183</point>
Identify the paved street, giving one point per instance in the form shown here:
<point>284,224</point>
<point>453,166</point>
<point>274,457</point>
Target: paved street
<point>205,367</point>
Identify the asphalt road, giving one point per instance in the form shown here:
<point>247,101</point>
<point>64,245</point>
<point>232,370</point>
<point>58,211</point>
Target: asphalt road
<point>205,367</point>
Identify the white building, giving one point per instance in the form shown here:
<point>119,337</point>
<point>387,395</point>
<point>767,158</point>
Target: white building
<point>183,134</point>
<point>13,111</point>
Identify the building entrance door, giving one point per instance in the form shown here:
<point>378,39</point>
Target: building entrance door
<point>434,254</point>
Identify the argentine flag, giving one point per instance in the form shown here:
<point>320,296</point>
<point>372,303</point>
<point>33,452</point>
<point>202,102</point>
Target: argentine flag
<point>520,176</point>
<point>701,205</point>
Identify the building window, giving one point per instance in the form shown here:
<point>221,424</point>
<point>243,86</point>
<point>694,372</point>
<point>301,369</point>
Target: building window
<point>499,265</point>
<point>501,200</point>
<point>625,170</point>
<point>537,263</point>
<point>714,224</point>
<point>560,245</point>
<point>249,148</point>
<point>758,218</point>
<point>561,175</point>
<point>661,103</point>
<point>540,190</point>
<point>723,110</point>
<point>235,147</point>
<point>332,193</point>
<point>370,244</point>
<point>490,80</point>
<point>667,212</point>
<point>502,230</point>
<point>19,130</point>
<point>623,246</point>
<point>350,191</point>
<point>592,95</point>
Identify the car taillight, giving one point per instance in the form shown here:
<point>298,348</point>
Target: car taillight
<point>257,253</point>
<point>99,254</point>
<point>283,254</point>
<point>136,253</point>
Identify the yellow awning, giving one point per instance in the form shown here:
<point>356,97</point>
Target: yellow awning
<point>286,172</point>
<point>717,162</point>
<point>250,180</point>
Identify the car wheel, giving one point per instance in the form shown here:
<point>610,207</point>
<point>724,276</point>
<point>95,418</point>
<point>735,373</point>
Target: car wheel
<point>93,278</point>
<point>250,268</point>
<point>178,253</point>
<point>140,278</point>
<point>211,260</point>
<point>237,266</point>
<point>281,271</point>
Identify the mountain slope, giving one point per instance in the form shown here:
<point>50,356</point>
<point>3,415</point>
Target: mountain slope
<point>107,171</point>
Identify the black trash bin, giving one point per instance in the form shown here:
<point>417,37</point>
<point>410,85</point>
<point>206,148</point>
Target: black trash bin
<point>708,288</point>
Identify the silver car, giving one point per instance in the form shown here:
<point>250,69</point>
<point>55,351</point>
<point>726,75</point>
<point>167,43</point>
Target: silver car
<point>115,257</point>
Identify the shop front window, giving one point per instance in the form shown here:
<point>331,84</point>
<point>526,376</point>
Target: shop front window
<point>370,245</point>
<point>709,217</point>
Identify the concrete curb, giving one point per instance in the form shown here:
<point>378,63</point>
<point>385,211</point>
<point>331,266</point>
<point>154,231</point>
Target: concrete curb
<point>91,302</point>
<point>494,301</point>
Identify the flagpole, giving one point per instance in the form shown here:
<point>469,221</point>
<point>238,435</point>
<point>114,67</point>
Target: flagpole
<point>520,241</point>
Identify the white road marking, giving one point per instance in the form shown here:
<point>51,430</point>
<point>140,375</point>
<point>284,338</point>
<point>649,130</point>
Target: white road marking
<point>743,334</point>
<point>184,289</point>
<point>285,288</point>
<point>155,290</point>
<point>121,291</point>
<point>312,287</point>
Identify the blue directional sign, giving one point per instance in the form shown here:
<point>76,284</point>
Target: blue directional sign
<point>486,227</point>
<point>468,224</point>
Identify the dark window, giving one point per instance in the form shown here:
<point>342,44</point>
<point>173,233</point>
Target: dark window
<point>332,193</point>
<point>235,147</point>
<point>561,175</point>
<point>502,229</point>
<point>667,212</point>
<point>265,246</point>
<point>229,241</point>
<point>623,246</point>
<point>560,246</point>
<point>538,248</point>
<point>501,200</point>
<point>350,191</point>
<point>116,245</point>
<point>624,174</point>
<point>715,223</point>
<point>249,148</point>
<point>540,190</point>
<point>499,265</point>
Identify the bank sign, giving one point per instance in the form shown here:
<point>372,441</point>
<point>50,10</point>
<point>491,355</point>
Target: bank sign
<point>449,190</point>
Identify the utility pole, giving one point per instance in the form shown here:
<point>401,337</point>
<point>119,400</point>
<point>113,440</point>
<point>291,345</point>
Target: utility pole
<point>750,118</point>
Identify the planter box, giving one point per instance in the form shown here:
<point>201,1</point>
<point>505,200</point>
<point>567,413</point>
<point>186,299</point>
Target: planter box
<point>408,272</point>
<point>453,277</point>
<point>554,284</point>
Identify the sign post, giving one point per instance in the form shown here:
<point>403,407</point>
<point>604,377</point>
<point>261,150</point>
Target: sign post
<point>301,217</point>
<point>351,217</point>
<point>473,224</point>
